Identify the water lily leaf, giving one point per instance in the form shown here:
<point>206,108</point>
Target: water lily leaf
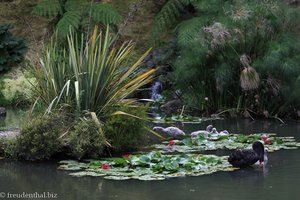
<point>120,162</point>
<point>68,162</point>
<point>187,142</point>
<point>118,178</point>
<point>231,141</point>
<point>150,178</point>
<point>230,169</point>
<point>86,173</point>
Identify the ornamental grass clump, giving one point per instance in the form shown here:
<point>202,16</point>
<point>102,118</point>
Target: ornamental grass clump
<point>91,75</point>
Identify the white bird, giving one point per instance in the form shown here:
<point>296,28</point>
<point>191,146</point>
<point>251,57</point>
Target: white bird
<point>224,132</point>
<point>205,133</point>
<point>214,131</point>
<point>171,131</point>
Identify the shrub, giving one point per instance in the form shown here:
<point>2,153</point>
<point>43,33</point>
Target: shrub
<point>7,147</point>
<point>86,140</point>
<point>2,147</point>
<point>12,48</point>
<point>39,138</point>
<point>123,132</point>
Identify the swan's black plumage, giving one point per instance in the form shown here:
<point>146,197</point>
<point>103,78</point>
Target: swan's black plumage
<point>247,157</point>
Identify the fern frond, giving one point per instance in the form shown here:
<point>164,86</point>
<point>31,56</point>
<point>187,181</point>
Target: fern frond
<point>106,14</point>
<point>70,20</point>
<point>76,5</point>
<point>169,14</point>
<point>47,8</point>
<point>190,30</point>
<point>208,5</point>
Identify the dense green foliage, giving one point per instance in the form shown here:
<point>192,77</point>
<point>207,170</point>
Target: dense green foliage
<point>77,14</point>
<point>12,48</point>
<point>235,54</point>
<point>124,132</point>
<point>86,140</point>
<point>39,138</point>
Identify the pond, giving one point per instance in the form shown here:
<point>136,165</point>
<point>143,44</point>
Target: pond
<point>13,119</point>
<point>279,180</point>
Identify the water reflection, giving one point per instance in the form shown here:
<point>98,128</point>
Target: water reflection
<point>279,180</point>
<point>13,119</point>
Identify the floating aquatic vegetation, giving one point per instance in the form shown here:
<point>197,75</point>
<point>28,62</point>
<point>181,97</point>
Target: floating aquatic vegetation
<point>231,141</point>
<point>184,119</point>
<point>150,166</point>
<point>158,166</point>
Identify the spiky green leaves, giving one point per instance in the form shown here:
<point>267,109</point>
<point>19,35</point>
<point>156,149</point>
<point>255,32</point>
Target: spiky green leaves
<point>89,75</point>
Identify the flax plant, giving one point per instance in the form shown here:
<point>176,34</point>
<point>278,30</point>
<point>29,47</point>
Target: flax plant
<point>89,75</point>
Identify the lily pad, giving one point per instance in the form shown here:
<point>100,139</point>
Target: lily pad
<point>231,141</point>
<point>86,173</point>
<point>150,166</point>
<point>119,178</point>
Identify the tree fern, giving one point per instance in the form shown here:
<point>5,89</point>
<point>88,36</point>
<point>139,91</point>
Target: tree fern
<point>75,14</point>
<point>76,5</point>
<point>106,14</point>
<point>48,8</point>
<point>190,31</point>
<point>169,14</point>
<point>209,6</point>
<point>69,22</point>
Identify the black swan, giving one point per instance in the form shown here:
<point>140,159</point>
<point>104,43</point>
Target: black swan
<point>247,157</point>
<point>171,131</point>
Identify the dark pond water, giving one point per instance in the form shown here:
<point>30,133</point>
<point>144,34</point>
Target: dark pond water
<point>13,120</point>
<point>280,180</point>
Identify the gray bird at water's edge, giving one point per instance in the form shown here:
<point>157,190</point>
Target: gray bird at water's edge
<point>171,131</point>
<point>247,157</point>
<point>205,133</point>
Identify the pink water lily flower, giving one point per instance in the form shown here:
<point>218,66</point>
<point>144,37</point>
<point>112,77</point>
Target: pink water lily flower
<point>264,138</point>
<point>268,142</point>
<point>126,155</point>
<point>105,166</point>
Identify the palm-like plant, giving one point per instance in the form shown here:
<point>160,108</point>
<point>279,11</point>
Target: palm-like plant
<point>73,14</point>
<point>89,75</point>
